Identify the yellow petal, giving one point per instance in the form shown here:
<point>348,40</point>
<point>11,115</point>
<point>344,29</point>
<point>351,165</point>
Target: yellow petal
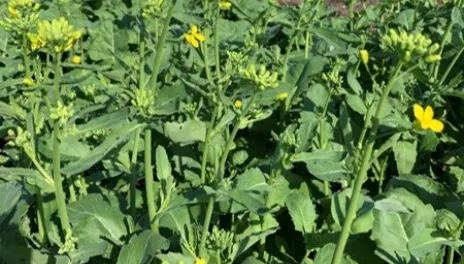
<point>428,114</point>
<point>436,125</point>
<point>418,112</point>
<point>200,37</point>
<point>191,39</point>
<point>194,29</point>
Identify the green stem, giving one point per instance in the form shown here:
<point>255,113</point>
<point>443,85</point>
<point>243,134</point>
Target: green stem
<point>41,222</point>
<point>204,159</point>
<point>383,169</point>
<point>133,178</point>
<point>142,63</point>
<point>450,257</point>
<point>449,26</point>
<point>307,44</point>
<point>27,61</point>
<point>160,51</point>
<point>351,10</point>
<point>262,244</point>
<point>231,138</point>
<point>59,193</point>
<point>361,174</point>
<point>322,139</point>
<point>149,182</point>
<point>451,65</point>
<point>204,49</point>
<point>204,233</point>
<point>216,46</point>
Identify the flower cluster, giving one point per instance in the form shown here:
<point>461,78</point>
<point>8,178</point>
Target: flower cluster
<point>22,16</point>
<point>56,35</point>
<point>61,113</point>
<point>409,46</point>
<point>262,78</point>
<point>152,8</point>
<point>143,100</point>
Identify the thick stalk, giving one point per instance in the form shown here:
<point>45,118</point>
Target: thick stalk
<point>362,172</point>
<point>231,138</point>
<point>449,26</point>
<point>322,139</point>
<point>351,10</point>
<point>216,46</point>
<point>204,233</point>
<point>133,177</point>
<point>149,182</point>
<point>204,159</point>
<point>41,222</point>
<point>160,51</point>
<point>307,44</point>
<point>59,193</point>
<point>450,257</point>
<point>27,61</point>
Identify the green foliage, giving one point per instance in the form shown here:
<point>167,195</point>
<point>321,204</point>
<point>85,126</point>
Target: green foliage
<point>273,141</point>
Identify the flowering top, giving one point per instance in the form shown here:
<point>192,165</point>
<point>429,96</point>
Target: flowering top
<point>409,45</point>
<point>152,8</point>
<point>281,96</point>
<point>225,4</point>
<point>194,36</point>
<point>425,120</point>
<point>262,78</point>
<point>58,35</point>
<point>23,15</point>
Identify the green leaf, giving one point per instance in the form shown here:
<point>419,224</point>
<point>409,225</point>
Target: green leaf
<point>353,82</point>
<point>163,167</point>
<point>95,220</point>
<point>306,131</point>
<point>356,103</point>
<point>302,211</point>
<point>325,255</point>
<point>114,140</point>
<point>405,156</point>
<point>186,133</point>
<point>142,248</point>
<point>456,16</point>
<point>177,220</point>
<point>32,177</point>
<point>14,203</point>
<point>324,164</point>
<point>105,121</point>
<point>406,19</point>
<point>429,241</point>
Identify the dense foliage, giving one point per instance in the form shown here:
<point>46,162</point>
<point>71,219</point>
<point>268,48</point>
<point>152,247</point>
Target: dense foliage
<point>242,131</point>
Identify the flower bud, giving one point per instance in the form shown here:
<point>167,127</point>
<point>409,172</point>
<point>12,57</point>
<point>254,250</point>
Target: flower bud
<point>434,48</point>
<point>432,58</point>
<point>238,104</point>
<point>281,96</point>
<point>407,56</point>
<point>364,54</point>
<point>76,59</point>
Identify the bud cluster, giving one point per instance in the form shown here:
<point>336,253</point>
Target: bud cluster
<point>152,8</point>
<point>22,16</point>
<point>56,35</point>
<point>409,46</point>
<point>62,113</point>
<point>262,78</point>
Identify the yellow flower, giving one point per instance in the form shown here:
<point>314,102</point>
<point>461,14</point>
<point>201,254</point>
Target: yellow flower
<point>281,96</point>
<point>76,59</point>
<point>194,36</point>
<point>225,4</point>
<point>36,41</point>
<point>364,54</point>
<point>200,261</point>
<point>424,118</point>
<point>29,82</point>
<point>13,12</point>
<point>238,104</point>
